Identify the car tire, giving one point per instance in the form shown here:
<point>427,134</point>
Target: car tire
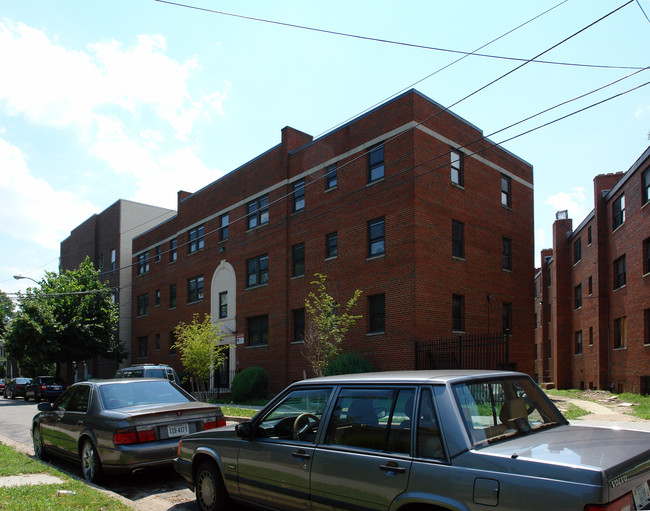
<point>91,466</point>
<point>26,397</point>
<point>210,491</point>
<point>39,448</point>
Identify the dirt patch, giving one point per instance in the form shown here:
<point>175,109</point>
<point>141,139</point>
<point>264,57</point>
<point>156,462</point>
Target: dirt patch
<point>601,405</point>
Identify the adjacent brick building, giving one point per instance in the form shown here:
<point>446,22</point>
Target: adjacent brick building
<point>593,290</point>
<point>106,238</point>
<point>408,203</point>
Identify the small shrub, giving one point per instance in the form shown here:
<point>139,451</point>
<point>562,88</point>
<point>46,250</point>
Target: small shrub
<point>349,363</point>
<point>252,383</point>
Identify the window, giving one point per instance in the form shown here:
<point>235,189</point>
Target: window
<point>506,253</point>
<point>143,263</point>
<point>331,245</point>
<point>298,260</point>
<point>113,259</point>
<point>158,256</point>
<point>507,318</point>
<point>618,212</point>
<point>258,212</point>
<point>331,177</point>
<point>157,343</point>
<point>173,250</point>
<point>457,239</point>
<point>224,221</point>
<point>377,314</point>
<point>223,304</point>
<point>646,256</point>
<point>143,346</point>
<point>195,289</point>
<point>506,191</point>
<point>645,186</point>
<point>619,332</point>
<point>578,342</point>
<point>591,336</point>
<point>376,241</point>
<point>549,313</point>
<point>172,296</point>
<point>589,239</point>
<point>356,422</point>
<point>591,285</point>
<point>257,271</point>
<point>376,164</point>
<point>172,343</point>
<point>457,168</point>
<point>619,272</point>
<point>305,408</point>
<point>196,239</point>
<point>577,296</point>
<point>156,298</point>
<point>100,264</point>
<point>577,250</point>
<point>458,313</point>
<point>646,329</point>
<point>143,305</point>
<point>258,331</point>
<point>299,195</point>
<point>298,325</point>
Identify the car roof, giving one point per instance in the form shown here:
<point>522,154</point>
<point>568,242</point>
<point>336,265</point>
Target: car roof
<point>441,376</point>
<point>121,381</point>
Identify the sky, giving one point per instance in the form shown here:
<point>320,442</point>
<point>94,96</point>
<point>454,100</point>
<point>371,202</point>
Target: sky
<point>138,99</point>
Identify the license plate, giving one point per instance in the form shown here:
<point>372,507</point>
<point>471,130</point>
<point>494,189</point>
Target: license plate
<point>178,429</point>
<point>56,388</point>
<point>641,496</point>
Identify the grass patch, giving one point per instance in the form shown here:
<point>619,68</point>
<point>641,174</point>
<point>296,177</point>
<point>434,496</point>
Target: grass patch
<point>572,393</point>
<point>28,498</point>
<point>642,408</point>
<point>234,411</point>
<point>574,412</point>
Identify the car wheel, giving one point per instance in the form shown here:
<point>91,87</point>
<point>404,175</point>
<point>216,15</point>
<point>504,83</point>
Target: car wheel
<point>39,449</point>
<point>91,466</point>
<point>210,492</point>
<point>26,397</point>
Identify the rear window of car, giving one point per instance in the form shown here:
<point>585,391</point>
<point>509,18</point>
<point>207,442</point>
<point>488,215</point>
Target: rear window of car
<point>51,380</point>
<point>130,373</point>
<point>22,381</point>
<point>136,393</point>
<point>156,373</point>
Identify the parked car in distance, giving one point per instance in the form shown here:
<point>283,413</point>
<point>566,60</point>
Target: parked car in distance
<point>425,440</point>
<point>16,387</point>
<point>45,388</point>
<point>120,426</point>
<point>149,371</point>
<point>2,385</point>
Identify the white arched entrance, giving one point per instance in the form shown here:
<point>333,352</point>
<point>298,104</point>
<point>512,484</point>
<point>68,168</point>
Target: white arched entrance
<point>223,309</point>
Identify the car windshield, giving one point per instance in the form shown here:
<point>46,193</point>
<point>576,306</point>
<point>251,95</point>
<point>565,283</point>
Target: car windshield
<point>497,409</point>
<point>51,380</point>
<point>140,393</point>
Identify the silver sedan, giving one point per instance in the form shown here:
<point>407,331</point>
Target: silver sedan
<point>120,426</point>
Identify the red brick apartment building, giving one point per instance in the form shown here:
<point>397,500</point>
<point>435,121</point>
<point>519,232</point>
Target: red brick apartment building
<point>592,304</point>
<point>408,203</point>
<point>106,238</point>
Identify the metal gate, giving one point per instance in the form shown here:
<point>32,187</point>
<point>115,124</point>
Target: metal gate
<point>478,351</point>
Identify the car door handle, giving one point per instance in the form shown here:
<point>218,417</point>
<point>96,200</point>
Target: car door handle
<point>301,454</point>
<point>392,467</point>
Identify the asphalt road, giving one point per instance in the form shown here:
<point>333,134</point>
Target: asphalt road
<point>160,489</point>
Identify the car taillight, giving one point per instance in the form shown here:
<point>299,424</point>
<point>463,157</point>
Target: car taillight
<point>623,504</point>
<point>218,422</point>
<point>43,387</point>
<point>131,436</point>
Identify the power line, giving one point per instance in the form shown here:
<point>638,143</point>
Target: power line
<point>387,41</point>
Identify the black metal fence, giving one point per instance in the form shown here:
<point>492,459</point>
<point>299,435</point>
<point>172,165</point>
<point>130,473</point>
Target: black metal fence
<point>479,351</point>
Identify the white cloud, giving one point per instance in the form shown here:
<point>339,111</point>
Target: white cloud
<point>30,208</point>
<point>573,201</point>
<point>132,107</point>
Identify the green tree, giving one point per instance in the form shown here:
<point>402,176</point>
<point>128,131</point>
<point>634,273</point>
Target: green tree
<point>71,316</point>
<point>198,344</point>
<point>6,313</point>
<point>326,325</point>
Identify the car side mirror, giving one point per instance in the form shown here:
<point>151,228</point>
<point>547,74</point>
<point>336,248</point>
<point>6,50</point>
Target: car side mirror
<point>45,406</point>
<point>244,430</point>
